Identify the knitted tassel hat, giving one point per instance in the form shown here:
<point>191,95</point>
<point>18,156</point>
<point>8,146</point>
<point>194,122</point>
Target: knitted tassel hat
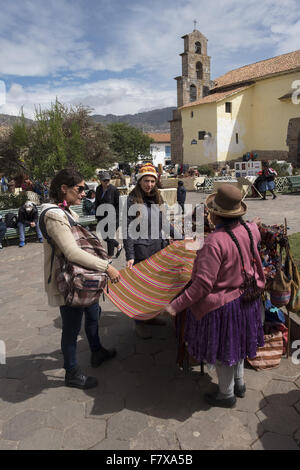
<point>147,170</point>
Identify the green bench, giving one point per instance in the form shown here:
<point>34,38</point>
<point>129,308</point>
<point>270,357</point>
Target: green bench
<point>294,182</point>
<point>84,220</point>
<point>12,233</point>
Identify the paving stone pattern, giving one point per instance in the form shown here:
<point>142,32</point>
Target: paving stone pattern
<point>143,400</point>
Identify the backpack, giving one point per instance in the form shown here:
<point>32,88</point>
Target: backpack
<point>80,286</point>
<point>11,220</point>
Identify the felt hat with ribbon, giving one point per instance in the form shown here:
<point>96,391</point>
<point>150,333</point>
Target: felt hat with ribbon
<point>227,202</point>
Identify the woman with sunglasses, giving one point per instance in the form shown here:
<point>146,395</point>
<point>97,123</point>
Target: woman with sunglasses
<point>67,189</point>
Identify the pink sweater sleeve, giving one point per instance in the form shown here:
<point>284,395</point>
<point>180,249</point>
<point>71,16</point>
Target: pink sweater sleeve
<point>207,265</point>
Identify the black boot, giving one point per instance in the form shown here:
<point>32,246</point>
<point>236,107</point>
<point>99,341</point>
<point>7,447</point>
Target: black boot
<point>76,378</point>
<point>102,355</point>
<point>212,400</point>
<point>240,390</point>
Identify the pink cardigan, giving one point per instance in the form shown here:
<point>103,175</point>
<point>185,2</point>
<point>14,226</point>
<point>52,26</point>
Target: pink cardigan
<point>217,272</point>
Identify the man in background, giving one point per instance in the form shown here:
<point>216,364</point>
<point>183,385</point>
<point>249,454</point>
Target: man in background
<point>28,217</point>
<point>107,193</point>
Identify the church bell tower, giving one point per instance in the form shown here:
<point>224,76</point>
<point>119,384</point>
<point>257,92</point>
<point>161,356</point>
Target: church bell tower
<point>192,85</point>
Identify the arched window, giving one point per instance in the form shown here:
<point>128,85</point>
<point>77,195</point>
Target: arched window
<point>198,47</point>
<point>199,70</point>
<point>193,93</point>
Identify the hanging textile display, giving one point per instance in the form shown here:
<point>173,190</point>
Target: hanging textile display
<point>153,283</point>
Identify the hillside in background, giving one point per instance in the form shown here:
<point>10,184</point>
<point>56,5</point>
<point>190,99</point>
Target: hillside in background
<point>7,120</point>
<point>149,121</point>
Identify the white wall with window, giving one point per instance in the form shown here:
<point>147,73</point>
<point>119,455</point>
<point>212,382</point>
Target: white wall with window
<point>160,149</point>
<point>160,152</point>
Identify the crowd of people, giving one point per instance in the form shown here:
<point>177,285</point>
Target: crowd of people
<point>24,183</point>
<point>223,300</point>
<point>224,312</point>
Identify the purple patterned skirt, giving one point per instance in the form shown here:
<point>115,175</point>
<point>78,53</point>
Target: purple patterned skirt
<point>228,334</point>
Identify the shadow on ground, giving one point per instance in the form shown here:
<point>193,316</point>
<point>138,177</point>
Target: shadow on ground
<point>143,377</point>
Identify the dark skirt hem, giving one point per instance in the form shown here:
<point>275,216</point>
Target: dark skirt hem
<point>228,334</point>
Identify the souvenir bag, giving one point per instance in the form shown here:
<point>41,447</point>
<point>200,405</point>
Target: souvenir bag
<point>80,286</point>
<point>280,289</point>
<point>294,302</point>
<point>269,356</point>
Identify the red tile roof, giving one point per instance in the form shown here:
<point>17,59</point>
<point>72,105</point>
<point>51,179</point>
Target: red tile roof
<point>282,63</point>
<point>214,97</point>
<point>160,137</point>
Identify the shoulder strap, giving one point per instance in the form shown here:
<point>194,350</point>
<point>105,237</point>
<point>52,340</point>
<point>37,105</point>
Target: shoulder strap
<point>43,229</point>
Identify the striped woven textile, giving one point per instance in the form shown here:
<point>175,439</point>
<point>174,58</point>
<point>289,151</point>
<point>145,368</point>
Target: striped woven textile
<point>270,354</point>
<point>151,284</point>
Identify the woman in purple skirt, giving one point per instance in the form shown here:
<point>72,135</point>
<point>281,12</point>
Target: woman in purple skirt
<point>223,323</point>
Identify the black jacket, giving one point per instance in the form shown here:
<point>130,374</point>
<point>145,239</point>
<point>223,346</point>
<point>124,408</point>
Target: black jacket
<point>111,196</point>
<point>142,248</point>
<point>27,217</point>
<point>181,194</point>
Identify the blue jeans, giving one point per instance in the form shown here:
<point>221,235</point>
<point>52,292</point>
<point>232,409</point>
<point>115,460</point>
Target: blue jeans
<point>2,231</point>
<point>21,228</point>
<point>71,325</point>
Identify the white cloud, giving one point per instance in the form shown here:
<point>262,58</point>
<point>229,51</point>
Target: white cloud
<point>105,97</point>
<point>137,41</point>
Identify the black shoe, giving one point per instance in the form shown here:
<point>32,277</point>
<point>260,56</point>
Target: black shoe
<point>240,390</point>
<point>274,197</point>
<point>119,251</point>
<point>212,400</point>
<point>75,378</point>
<point>102,355</point>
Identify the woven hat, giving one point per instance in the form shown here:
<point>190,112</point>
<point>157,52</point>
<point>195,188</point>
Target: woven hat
<point>227,202</point>
<point>147,169</point>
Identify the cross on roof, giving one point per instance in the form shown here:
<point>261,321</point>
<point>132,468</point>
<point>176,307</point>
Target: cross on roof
<point>195,24</point>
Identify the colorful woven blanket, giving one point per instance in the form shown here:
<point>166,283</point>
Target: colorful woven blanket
<point>151,284</point>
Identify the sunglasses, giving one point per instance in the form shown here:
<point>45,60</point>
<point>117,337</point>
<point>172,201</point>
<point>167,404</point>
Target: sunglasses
<point>105,181</point>
<point>80,189</point>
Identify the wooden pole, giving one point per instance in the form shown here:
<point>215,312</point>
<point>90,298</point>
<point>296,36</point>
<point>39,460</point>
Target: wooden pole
<point>288,312</point>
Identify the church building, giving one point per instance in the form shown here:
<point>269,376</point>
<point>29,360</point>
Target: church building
<point>255,108</point>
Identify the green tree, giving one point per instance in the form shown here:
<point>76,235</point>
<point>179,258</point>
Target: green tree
<point>14,144</point>
<point>59,137</point>
<point>128,143</point>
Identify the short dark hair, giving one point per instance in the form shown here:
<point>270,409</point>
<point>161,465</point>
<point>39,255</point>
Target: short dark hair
<point>67,176</point>
<point>180,183</point>
<point>89,194</point>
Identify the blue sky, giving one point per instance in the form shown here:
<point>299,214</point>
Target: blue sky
<point>120,56</point>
